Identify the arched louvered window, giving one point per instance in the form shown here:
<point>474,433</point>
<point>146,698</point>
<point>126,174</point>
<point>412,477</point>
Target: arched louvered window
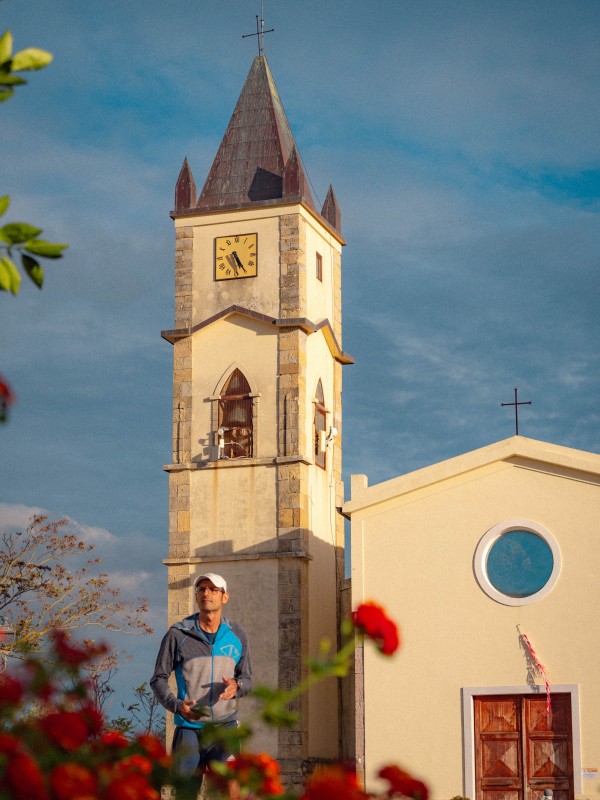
<point>320,426</point>
<point>235,416</point>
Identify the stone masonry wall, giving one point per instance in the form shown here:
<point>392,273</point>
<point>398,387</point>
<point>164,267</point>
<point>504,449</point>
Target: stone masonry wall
<point>179,479</point>
<point>184,246</point>
<point>292,490</point>
<point>292,254</point>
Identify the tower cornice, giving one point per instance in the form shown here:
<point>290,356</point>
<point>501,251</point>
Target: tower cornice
<point>189,213</point>
<point>302,323</point>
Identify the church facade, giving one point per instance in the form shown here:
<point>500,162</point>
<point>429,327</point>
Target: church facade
<point>489,561</point>
<point>255,481</point>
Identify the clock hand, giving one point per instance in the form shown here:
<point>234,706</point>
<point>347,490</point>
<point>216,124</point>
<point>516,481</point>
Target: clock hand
<point>232,263</point>
<point>237,258</point>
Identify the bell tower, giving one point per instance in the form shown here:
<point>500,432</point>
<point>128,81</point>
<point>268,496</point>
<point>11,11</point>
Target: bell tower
<point>255,482</point>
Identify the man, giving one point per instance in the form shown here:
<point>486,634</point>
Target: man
<point>211,660</point>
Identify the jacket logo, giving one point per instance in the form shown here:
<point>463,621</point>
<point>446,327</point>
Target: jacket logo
<point>230,650</point>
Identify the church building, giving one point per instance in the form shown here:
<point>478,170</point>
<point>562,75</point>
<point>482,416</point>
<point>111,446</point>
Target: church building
<point>255,481</point>
<point>489,562</point>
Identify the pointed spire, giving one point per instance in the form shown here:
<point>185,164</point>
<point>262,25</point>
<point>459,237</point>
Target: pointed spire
<point>331,211</point>
<point>295,186</point>
<point>250,165</point>
<point>185,188</point>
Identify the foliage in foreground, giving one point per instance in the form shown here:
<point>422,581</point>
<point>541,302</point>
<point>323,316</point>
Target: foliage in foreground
<point>20,237</point>
<point>10,63</point>
<point>64,752</point>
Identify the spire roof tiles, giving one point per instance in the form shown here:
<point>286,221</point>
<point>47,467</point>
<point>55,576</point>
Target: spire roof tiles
<point>252,158</point>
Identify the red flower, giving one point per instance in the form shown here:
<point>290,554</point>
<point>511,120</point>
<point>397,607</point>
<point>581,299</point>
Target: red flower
<point>135,763</point>
<point>9,744</point>
<point>38,681</point>
<point>113,739</point>
<point>7,398</point>
<point>73,782</point>
<point>337,782</point>
<point>73,654</point>
<point>6,392</point>
<point>131,787</point>
<point>67,728</point>
<point>257,772</point>
<point>11,691</point>
<point>371,619</point>
<point>402,783</point>
<point>154,749</point>
<point>25,779</point>
<point>92,717</point>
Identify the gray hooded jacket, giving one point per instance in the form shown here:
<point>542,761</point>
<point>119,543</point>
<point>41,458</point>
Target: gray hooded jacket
<point>200,667</point>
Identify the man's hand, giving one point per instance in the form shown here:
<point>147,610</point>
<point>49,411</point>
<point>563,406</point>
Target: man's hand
<point>231,687</point>
<point>187,712</point>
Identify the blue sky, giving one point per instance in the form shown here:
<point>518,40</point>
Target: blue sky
<point>462,141</point>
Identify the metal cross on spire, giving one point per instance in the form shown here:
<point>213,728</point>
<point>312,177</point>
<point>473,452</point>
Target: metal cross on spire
<point>516,404</point>
<point>260,31</point>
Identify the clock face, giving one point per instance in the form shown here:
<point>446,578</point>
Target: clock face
<point>236,256</point>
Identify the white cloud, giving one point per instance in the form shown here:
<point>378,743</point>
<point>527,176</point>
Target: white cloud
<point>130,582</point>
<point>15,517</point>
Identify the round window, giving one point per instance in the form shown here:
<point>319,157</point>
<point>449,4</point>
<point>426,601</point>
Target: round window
<point>517,562</point>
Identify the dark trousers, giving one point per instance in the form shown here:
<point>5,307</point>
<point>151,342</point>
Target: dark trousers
<point>189,759</point>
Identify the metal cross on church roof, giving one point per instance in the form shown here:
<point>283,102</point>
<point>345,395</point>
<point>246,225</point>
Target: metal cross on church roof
<point>516,404</point>
<point>260,32</point>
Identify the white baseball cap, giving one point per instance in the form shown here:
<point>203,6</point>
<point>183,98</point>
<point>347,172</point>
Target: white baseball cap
<point>215,579</point>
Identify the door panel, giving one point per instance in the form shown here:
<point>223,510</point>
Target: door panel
<point>498,748</point>
<point>520,749</point>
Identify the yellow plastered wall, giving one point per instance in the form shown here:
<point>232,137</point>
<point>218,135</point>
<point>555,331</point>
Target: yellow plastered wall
<point>216,351</point>
<point>320,294</point>
<point>260,293</point>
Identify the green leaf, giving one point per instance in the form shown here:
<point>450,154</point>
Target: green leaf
<point>347,628</point>
<point>6,45</point>
<point>8,79</point>
<point>266,693</point>
<point>6,94</point>
<point>18,232</point>
<point>46,249</point>
<point>33,269</point>
<point>10,280</point>
<point>4,277</point>
<point>278,717</point>
<point>4,204</point>
<point>31,58</point>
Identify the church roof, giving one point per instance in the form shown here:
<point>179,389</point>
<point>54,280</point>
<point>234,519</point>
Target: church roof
<point>257,160</point>
<point>517,450</point>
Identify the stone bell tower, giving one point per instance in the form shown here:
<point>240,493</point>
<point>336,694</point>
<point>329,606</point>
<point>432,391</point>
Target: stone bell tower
<point>255,480</point>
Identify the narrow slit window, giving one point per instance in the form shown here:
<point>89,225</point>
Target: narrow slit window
<point>320,427</point>
<point>319,267</point>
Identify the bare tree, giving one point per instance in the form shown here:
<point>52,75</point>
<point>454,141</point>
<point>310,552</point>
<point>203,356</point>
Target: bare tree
<point>47,581</point>
<point>145,714</point>
<point>101,674</point>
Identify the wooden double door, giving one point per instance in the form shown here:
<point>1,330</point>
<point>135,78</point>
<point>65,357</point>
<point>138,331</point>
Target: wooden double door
<point>520,749</point>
